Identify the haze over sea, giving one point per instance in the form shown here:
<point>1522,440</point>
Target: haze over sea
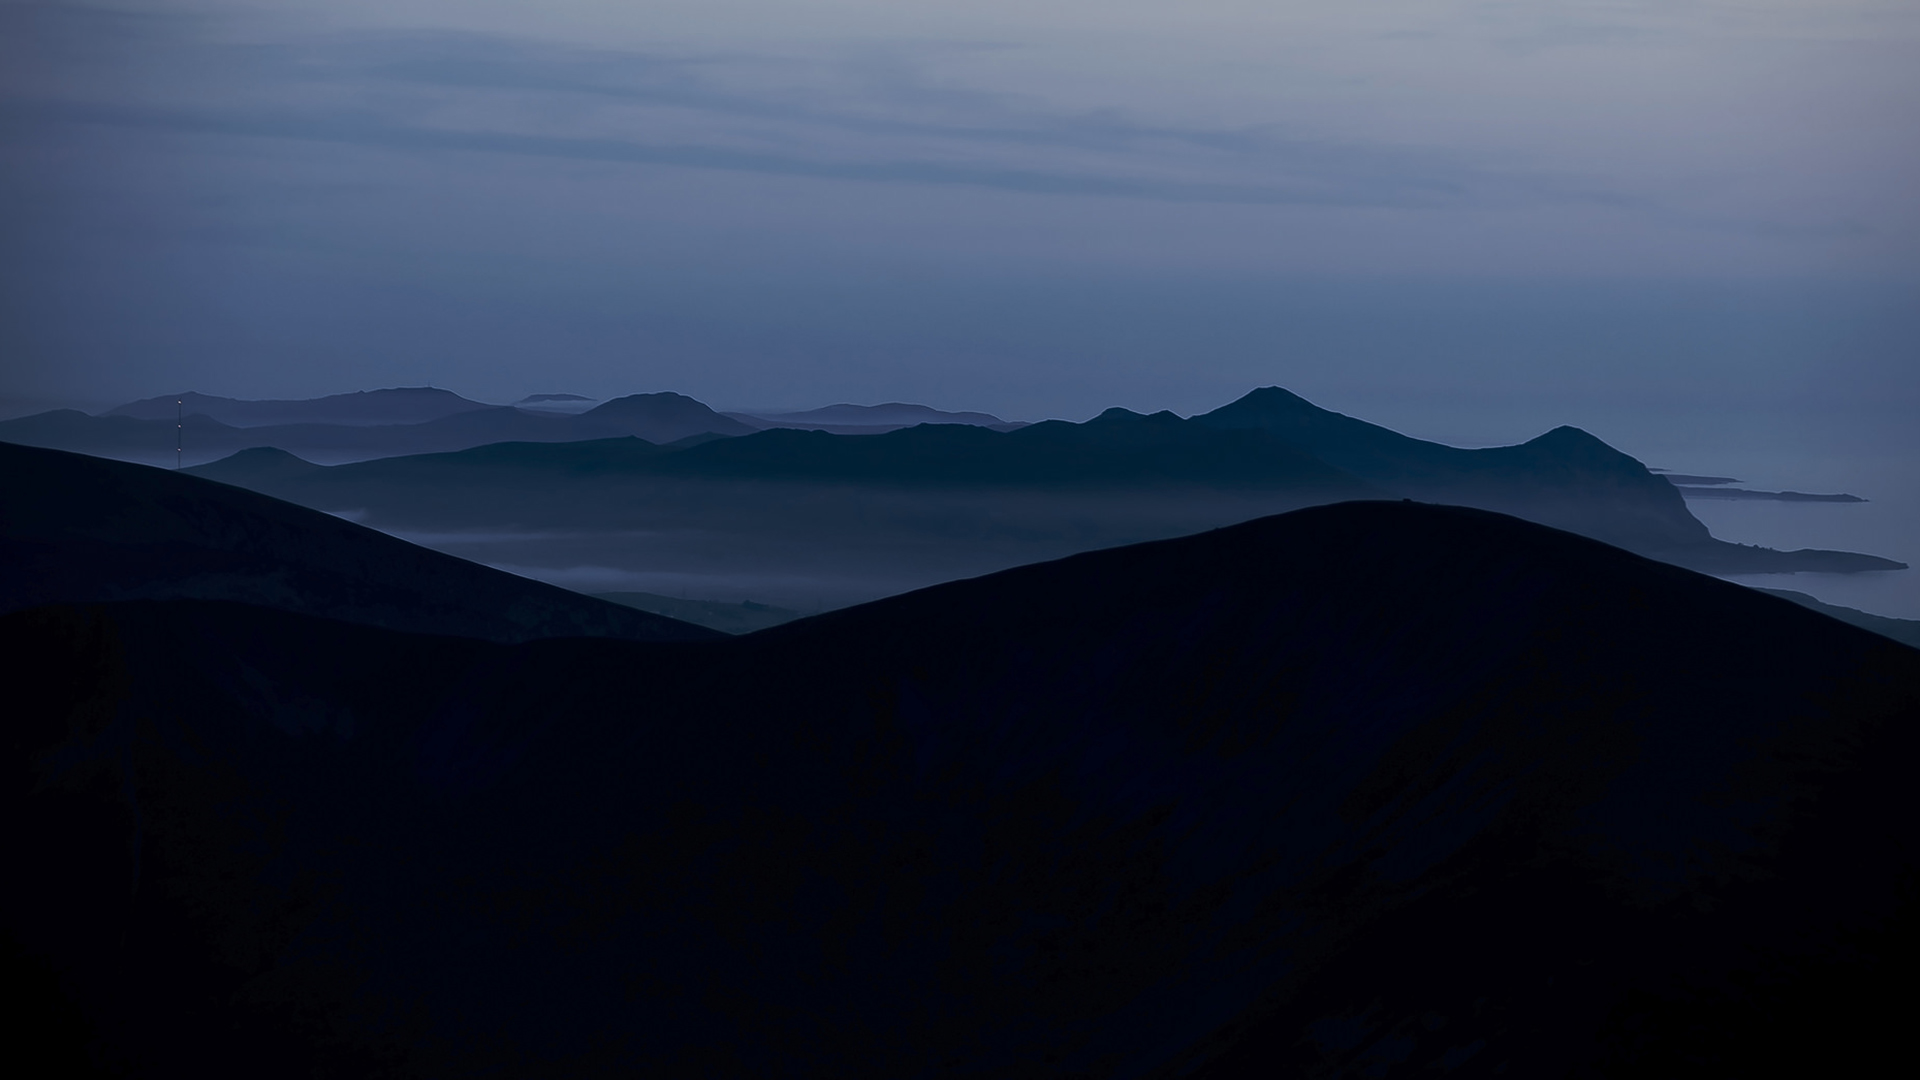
<point>1821,444</point>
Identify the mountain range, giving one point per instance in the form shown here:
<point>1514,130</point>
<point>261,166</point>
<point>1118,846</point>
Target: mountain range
<point>660,417</point>
<point>1380,788</point>
<point>844,419</point>
<point>875,514</point>
<point>421,420</point>
<point>1564,478</point>
<point>400,405</point>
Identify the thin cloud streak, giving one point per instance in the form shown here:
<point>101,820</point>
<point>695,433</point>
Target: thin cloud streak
<point>373,132</point>
<point>876,117</point>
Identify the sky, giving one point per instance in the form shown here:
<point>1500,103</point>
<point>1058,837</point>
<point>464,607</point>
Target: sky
<point>1470,220</point>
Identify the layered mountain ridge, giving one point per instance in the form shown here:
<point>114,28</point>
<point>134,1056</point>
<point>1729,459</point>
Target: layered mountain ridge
<point>1269,451</point>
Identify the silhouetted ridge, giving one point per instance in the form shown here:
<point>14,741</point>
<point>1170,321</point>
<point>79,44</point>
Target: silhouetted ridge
<point>83,530</point>
<point>1159,449</point>
<point>1566,478</point>
<point>855,418</point>
<point>257,468</point>
<point>354,432</point>
<point>399,405</point>
<point>1364,789</point>
<point>664,417</point>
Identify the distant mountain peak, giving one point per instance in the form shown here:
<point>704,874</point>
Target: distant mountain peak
<point>1118,415</point>
<point>656,399</point>
<point>1271,396</point>
<point>665,415</point>
<point>1567,440</point>
<point>413,390</point>
<point>265,453</point>
<point>256,466</point>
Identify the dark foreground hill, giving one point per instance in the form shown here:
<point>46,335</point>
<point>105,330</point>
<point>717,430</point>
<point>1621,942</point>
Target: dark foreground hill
<point>1376,789</point>
<point>76,529</point>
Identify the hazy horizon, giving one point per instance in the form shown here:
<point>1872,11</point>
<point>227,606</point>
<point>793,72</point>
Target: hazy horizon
<point>1687,228</point>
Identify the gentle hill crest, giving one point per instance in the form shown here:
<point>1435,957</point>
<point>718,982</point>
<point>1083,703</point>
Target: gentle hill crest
<point>1366,787</point>
<point>399,405</point>
<point>85,530</point>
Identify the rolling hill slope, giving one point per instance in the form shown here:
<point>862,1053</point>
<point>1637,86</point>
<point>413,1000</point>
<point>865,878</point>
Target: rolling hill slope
<point>78,529</point>
<point>1376,789</point>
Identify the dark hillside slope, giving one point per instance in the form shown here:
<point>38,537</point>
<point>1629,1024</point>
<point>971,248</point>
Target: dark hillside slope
<point>76,529</point>
<point>1565,478</point>
<point>1374,789</point>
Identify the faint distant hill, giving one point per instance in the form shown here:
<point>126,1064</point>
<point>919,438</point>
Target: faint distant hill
<point>654,417</point>
<point>256,468</point>
<point>870,419</point>
<point>1376,789</point>
<point>1714,487</point>
<point>1565,478</point>
<point>400,405</point>
<point>79,529</point>
<point>1117,447</point>
<point>743,617</point>
<point>568,404</point>
<point>1905,631</point>
<point>661,418</point>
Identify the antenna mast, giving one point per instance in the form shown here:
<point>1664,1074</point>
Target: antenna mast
<point>179,430</point>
